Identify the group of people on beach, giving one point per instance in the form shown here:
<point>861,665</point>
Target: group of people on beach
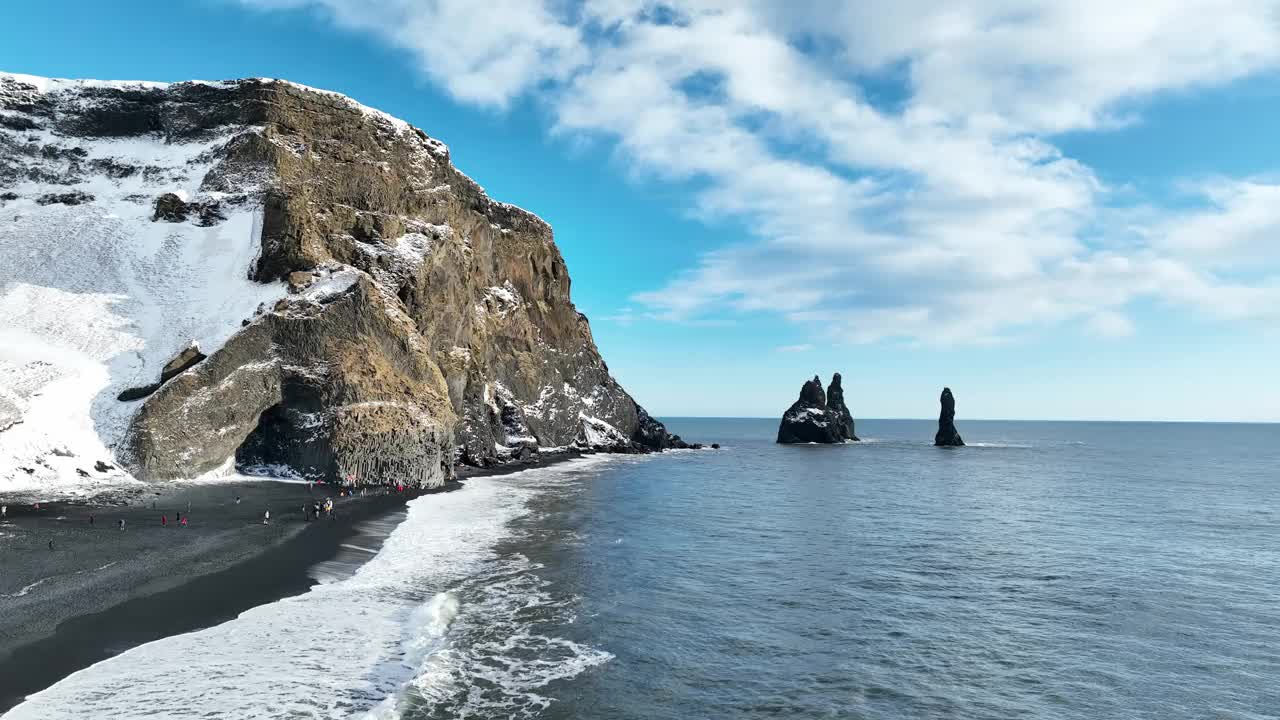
<point>316,507</point>
<point>164,519</point>
<point>310,511</point>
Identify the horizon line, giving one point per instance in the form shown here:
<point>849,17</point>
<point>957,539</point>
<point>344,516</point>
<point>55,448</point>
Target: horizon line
<point>985,419</point>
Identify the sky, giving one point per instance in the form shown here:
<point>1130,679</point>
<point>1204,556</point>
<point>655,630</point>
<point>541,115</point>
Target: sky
<point>1059,210</point>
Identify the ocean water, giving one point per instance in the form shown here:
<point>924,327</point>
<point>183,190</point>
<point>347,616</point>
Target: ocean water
<point>1048,570</point>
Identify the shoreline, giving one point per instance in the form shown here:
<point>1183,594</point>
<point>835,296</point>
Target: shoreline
<point>463,473</point>
<point>99,591</point>
<point>144,592</point>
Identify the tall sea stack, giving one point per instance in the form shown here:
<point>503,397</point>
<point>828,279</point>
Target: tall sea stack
<point>811,419</point>
<point>947,435</point>
<point>835,403</point>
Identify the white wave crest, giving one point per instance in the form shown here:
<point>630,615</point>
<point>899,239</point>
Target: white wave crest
<point>366,644</point>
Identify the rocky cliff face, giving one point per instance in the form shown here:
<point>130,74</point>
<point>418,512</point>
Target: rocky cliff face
<point>367,312</point>
<point>810,419</point>
<point>947,434</point>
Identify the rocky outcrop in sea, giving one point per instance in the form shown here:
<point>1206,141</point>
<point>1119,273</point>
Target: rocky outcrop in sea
<point>947,433</point>
<point>835,403</point>
<point>817,417</point>
<point>363,310</point>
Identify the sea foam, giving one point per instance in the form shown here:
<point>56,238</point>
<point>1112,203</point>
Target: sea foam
<point>366,644</point>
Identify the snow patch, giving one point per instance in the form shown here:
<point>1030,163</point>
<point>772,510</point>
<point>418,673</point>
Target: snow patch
<point>96,297</point>
<point>45,85</point>
<point>330,285</point>
<point>599,433</point>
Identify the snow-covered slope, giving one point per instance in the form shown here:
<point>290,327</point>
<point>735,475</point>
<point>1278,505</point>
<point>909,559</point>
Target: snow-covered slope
<point>95,296</point>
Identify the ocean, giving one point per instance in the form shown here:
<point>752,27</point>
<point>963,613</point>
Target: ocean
<point>1047,570</point>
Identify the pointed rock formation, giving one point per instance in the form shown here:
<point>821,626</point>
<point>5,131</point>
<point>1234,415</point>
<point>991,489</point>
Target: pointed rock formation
<point>947,433</point>
<point>835,403</point>
<point>810,419</point>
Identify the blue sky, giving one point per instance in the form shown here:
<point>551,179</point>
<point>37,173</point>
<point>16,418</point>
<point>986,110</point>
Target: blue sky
<point>1060,212</point>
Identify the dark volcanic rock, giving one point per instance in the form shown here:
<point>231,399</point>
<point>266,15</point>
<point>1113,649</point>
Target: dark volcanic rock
<point>74,197</point>
<point>180,362</point>
<point>113,168</point>
<point>835,402</point>
<point>170,208</point>
<point>947,433</point>
<point>652,435</point>
<point>137,393</point>
<point>810,419</point>
<point>183,360</point>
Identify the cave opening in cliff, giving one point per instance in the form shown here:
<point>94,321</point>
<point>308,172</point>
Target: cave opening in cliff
<point>291,438</point>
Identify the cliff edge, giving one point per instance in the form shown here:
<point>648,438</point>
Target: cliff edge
<point>260,274</point>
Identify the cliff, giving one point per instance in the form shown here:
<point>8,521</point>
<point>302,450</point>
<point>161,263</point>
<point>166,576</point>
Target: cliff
<point>259,273</point>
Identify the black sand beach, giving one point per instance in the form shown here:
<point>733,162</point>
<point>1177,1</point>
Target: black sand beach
<point>99,590</point>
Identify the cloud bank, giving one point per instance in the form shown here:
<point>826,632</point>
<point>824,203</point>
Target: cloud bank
<point>892,163</point>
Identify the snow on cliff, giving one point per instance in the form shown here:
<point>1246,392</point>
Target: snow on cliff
<point>132,216</point>
<point>95,296</point>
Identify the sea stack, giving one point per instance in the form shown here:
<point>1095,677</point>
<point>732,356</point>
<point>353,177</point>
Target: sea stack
<point>947,435</point>
<point>835,403</point>
<point>810,419</point>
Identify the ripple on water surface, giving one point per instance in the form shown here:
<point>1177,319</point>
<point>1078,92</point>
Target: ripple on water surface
<point>1050,570</point>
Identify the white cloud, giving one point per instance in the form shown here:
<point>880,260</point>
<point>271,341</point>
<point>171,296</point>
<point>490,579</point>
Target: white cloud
<point>1238,230</point>
<point>1111,324</point>
<point>946,216</point>
<point>486,54</point>
<point>795,348</point>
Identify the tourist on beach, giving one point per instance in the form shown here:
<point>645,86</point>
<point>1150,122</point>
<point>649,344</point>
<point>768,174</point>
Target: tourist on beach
<point>184,521</point>
<point>179,518</point>
<point>4,511</point>
<point>266,517</point>
<point>120,524</point>
<point>90,518</point>
<point>237,499</point>
<point>50,544</point>
<point>164,520</point>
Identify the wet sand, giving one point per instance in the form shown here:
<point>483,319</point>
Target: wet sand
<point>100,591</point>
